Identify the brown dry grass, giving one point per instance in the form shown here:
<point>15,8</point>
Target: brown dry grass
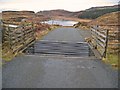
<point>16,16</point>
<point>107,19</point>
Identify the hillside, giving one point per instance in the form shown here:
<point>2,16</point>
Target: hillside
<point>61,15</point>
<point>16,16</point>
<point>95,12</point>
<point>90,13</point>
<point>58,12</point>
<point>107,19</point>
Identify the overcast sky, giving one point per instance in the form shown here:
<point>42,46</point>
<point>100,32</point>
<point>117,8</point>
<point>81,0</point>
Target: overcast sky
<point>39,5</point>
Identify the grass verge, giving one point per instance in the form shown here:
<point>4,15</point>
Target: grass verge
<point>112,59</point>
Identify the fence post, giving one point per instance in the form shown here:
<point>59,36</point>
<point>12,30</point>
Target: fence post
<point>106,44</point>
<point>9,37</point>
<point>95,47</point>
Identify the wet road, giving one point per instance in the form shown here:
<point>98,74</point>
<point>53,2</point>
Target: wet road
<point>58,71</point>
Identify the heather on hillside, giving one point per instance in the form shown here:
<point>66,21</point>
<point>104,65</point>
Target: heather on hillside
<point>95,13</point>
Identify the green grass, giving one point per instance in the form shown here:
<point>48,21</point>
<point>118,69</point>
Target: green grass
<point>8,57</point>
<point>112,59</point>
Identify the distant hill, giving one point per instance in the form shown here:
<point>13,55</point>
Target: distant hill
<point>58,12</point>
<point>95,12</point>
<point>90,13</point>
<point>106,19</point>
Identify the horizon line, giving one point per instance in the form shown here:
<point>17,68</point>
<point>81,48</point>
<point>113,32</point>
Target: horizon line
<point>58,9</point>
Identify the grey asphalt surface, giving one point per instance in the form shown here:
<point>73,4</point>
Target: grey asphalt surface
<point>58,71</point>
<point>65,34</point>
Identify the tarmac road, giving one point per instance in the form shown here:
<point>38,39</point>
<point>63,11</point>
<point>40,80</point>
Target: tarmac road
<point>64,34</point>
<point>57,71</point>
